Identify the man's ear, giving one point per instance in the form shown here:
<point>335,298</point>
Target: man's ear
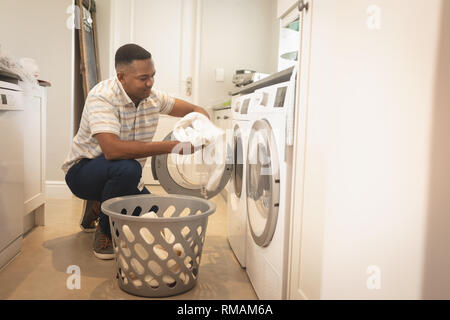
<point>120,76</point>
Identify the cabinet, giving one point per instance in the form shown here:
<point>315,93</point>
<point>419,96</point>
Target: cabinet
<point>370,216</point>
<point>289,40</point>
<point>35,102</point>
<point>222,118</point>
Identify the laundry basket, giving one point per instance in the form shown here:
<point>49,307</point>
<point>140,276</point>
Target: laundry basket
<point>160,256</point>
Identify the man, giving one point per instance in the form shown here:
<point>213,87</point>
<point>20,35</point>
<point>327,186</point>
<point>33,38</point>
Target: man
<point>108,153</point>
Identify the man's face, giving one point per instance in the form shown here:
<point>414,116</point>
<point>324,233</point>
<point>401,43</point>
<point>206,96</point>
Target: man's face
<point>137,78</point>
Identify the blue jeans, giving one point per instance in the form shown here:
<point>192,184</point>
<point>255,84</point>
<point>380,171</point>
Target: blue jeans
<point>100,179</point>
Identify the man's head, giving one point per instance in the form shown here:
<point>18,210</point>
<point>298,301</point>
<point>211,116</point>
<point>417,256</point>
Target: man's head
<point>135,70</point>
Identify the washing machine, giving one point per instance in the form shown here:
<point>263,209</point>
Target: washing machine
<point>189,174</point>
<point>237,195</point>
<point>268,191</point>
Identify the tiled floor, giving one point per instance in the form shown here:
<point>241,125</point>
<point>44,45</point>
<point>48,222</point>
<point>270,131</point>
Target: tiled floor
<point>39,272</point>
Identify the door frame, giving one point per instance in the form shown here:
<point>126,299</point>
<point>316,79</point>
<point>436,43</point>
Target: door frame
<point>294,287</point>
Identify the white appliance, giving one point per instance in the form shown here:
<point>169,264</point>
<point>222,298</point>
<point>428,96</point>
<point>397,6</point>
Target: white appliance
<point>11,171</point>
<point>237,195</point>
<point>268,190</point>
<point>244,77</point>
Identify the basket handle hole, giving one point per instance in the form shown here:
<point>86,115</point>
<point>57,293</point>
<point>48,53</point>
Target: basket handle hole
<point>137,211</point>
<point>167,235</point>
<point>186,212</point>
<point>154,208</point>
<point>169,211</point>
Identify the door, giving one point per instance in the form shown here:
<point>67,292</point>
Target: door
<point>263,183</point>
<point>188,174</point>
<point>165,125</point>
<point>11,171</point>
<point>167,30</point>
<point>34,189</point>
<point>295,278</point>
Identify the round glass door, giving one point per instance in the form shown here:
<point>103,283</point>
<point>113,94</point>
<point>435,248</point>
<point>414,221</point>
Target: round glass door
<point>189,174</point>
<point>238,163</point>
<point>263,183</point>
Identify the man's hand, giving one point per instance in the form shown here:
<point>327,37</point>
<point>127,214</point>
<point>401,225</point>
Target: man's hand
<point>115,149</point>
<point>184,148</point>
<point>202,111</point>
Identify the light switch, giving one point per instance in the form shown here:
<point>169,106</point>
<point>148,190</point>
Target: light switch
<point>220,75</point>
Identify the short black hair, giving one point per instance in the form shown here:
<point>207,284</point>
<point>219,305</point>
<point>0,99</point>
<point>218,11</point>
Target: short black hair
<point>127,53</point>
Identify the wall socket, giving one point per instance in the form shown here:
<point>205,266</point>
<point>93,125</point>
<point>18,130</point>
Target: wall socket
<point>189,86</point>
<point>220,75</point>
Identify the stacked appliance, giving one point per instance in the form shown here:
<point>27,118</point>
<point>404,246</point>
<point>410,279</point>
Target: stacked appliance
<point>237,195</point>
<point>266,112</point>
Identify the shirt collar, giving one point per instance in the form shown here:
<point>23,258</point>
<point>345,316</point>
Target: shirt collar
<point>125,98</point>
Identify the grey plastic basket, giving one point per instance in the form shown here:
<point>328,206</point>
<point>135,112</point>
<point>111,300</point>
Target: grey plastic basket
<point>158,257</point>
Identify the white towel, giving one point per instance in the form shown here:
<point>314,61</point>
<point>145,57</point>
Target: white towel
<point>197,129</point>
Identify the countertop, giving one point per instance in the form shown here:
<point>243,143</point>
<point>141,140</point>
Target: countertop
<point>281,76</point>
<point>14,78</point>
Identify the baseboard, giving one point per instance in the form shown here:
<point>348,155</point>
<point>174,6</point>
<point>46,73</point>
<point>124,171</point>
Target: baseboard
<point>57,190</point>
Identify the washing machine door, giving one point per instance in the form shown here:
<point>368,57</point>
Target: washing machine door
<point>263,183</point>
<point>188,174</point>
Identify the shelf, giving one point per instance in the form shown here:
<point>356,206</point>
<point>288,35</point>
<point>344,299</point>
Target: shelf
<point>281,76</point>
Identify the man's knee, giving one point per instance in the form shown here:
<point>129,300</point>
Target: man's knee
<point>129,170</point>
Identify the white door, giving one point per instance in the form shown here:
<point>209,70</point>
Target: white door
<point>189,174</point>
<point>263,183</point>
<point>168,34</point>
<point>373,152</point>
<point>165,126</point>
<point>294,289</point>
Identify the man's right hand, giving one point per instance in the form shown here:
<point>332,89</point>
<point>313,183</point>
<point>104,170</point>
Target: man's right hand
<point>183,148</point>
<point>115,149</point>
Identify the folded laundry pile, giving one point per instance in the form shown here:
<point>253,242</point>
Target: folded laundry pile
<point>197,129</point>
<point>26,68</point>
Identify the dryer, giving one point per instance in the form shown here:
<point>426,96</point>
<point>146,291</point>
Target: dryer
<point>268,191</point>
<point>237,195</point>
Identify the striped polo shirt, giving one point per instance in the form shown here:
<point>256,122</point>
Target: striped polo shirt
<point>108,108</point>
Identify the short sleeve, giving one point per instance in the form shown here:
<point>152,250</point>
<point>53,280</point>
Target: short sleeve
<point>102,116</point>
<point>165,101</point>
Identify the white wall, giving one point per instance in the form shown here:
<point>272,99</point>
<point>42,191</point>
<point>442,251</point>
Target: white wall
<point>103,19</point>
<point>37,29</point>
<point>236,34</point>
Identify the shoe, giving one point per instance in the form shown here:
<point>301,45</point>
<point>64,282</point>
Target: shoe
<point>89,219</point>
<point>103,247</point>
